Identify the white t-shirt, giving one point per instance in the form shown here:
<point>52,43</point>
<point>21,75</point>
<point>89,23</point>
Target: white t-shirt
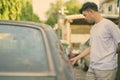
<point>104,37</point>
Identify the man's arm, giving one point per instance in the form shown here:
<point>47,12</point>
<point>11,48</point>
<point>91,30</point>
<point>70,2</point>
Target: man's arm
<point>84,53</point>
<point>118,48</point>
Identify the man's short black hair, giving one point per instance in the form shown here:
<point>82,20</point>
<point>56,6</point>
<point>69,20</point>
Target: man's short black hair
<point>88,5</point>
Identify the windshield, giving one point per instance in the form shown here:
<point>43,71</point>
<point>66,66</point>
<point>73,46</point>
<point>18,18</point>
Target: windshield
<point>22,50</point>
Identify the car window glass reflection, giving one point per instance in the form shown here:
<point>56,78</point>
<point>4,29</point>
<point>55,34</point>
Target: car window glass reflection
<point>22,50</point>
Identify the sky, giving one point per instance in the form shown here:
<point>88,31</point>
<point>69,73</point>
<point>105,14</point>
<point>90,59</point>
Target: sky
<point>41,6</point>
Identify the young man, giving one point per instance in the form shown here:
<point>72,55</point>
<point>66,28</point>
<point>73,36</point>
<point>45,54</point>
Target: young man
<point>104,39</point>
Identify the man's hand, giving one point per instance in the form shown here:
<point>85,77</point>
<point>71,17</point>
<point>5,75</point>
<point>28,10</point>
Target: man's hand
<point>84,53</point>
<point>73,60</point>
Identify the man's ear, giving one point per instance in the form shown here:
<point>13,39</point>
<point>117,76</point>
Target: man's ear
<point>92,11</point>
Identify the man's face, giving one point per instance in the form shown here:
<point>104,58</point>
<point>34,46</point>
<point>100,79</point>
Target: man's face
<point>88,16</point>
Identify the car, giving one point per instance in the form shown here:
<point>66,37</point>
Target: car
<point>32,51</point>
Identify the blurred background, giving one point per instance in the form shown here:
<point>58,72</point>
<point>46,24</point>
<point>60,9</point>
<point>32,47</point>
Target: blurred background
<point>62,15</point>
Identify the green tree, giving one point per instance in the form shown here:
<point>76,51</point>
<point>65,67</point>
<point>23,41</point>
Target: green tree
<point>72,6</point>
<point>27,13</point>
<point>17,10</point>
<point>10,9</point>
<point>52,14</point>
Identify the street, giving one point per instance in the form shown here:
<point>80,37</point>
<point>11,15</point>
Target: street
<point>80,74</point>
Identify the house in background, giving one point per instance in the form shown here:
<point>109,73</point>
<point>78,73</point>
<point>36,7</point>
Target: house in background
<point>76,29</point>
<point>110,7</point>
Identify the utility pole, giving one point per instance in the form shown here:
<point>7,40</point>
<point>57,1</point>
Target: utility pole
<point>63,12</point>
<point>60,19</point>
<point>58,30</point>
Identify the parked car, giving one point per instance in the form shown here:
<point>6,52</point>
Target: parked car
<point>32,51</point>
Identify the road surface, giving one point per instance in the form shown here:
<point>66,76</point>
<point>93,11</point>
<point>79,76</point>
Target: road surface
<point>80,74</point>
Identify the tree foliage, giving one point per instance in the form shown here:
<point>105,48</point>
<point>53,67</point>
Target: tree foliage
<point>17,10</point>
<point>10,9</point>
<point>52,14</point>
<point>72,6</point>
<point>27,13</point>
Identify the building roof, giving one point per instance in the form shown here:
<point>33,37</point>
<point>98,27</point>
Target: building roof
<point>78,19</point>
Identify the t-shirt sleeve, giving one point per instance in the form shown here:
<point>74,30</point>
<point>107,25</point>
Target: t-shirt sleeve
<point>115,32</point>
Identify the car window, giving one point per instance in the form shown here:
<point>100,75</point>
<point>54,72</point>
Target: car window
<point>22,50</point>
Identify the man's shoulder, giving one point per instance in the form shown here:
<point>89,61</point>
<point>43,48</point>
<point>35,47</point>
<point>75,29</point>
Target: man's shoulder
<point>107,21</point>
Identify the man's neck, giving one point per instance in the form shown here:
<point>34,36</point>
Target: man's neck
<point>98,18</point>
